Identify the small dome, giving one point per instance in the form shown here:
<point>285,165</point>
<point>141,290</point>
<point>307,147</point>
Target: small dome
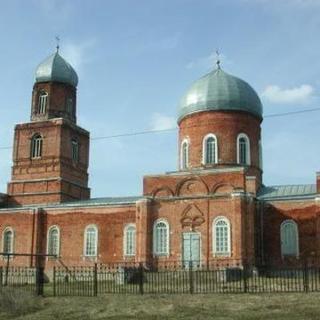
<point>55,68</point>
<point>219,90</point>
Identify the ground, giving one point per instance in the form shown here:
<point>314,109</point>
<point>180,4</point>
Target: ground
<point>293,306</point>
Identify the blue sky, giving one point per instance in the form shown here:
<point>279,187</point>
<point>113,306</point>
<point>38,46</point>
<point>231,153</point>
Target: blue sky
<point>135,59</point>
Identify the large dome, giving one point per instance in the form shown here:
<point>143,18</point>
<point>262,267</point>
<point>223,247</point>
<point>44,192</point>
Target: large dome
<point>219,90</point>
<point>55,68</point>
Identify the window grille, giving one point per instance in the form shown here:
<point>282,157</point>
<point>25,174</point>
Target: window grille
<point>75,150</point>
<point>70,106</point>
<point>221,237</point>
<point>42,106</point>
<point>130,241</point>
<point>8,241</point>
<point>243,149</point>
<point>91,237</point>
<point>184,155</point>
<point>210,150</point>
<point>53,241</point>
<point>36,146</point>
<point>161,239</point>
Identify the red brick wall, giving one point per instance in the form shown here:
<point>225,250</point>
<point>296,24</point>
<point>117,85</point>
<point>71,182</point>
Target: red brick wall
<point>226,126</point>
<point>307,216</point>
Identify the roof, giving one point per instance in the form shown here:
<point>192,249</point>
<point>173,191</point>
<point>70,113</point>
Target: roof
<point>289,192</point>
<point>221,91</point>
<point>99,201</point>
<point>55,68</point>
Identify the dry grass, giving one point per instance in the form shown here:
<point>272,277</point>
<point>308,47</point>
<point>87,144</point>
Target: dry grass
<point>293,306</point>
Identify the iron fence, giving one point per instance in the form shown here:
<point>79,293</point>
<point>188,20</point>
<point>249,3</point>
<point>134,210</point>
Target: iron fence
<point>181,278</point>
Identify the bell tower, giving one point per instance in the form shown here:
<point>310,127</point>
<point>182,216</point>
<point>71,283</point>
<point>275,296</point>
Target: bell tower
<point>51,152</point>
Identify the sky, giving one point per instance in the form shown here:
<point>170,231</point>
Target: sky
<point>136,59</point>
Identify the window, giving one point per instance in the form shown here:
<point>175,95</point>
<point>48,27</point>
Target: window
<point>130,240</point>
<point>221,237</point>
<point>69,106</point>
<point>54,241</point>
<point>260,155</point>
<point>8,241</point>
<point>91,241</point>
<point>184,154</point>
<point>161,238</point>
<point>289,238</point>
<point>36,146</point>
<point>42,104</point>
<point>243,149</point>
<point>210,149</point>
<point>74,150</point>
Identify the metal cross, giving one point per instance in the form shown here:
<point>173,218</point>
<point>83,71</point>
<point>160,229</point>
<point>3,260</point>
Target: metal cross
<point>218,58</point>
<point>58,43</point>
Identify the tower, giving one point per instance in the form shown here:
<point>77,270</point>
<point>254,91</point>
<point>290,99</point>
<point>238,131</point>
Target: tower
<point>219,125</point>
<point>51,152</point>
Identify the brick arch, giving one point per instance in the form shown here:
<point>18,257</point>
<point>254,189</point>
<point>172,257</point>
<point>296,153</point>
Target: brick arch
<point>222,187</point>
<point>192,186</point>
<point>164,191</point>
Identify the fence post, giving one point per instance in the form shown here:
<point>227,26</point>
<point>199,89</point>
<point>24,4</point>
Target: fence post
<point>191,285</point>
<point>39,281</point>
<point>141,278</point>
<point>306,277</point>
<point>95,280</point>
<point>54,281</point>
<point>245,278</point>
<point>7,271</point>
<point>1,276</point>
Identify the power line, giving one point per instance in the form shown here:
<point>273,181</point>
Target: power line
<point>137,133</point>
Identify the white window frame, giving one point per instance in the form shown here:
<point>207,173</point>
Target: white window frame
<point>214,245</point>
<point>36,146</point>
<point>248,151</point>
<point>54,227</point>
<point>95,244</point>
<point>204,148</point>
<point>126,252</point>
<point>292,222</point>
<point>42,102</point>
<point>12,240</point>
<point>154,239</point>
<point>184,164</point>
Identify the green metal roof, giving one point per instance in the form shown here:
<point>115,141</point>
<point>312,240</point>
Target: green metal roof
<point>287,192</point>
<point>219,90</point>
<point>55,68</point>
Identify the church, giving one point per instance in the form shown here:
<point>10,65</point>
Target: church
<point>213,210</point>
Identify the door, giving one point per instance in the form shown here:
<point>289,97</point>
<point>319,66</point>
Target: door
<point>191,248</point>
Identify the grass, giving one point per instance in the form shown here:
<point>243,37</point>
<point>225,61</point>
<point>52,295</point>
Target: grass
<point>293,306</point>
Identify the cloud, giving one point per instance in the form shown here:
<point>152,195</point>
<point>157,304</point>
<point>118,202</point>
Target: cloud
<point>77,53</point>
<point>293,95</point>
<point>162,122</point>
<point>208,62</point>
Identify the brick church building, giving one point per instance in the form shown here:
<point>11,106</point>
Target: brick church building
<point>214,209</point>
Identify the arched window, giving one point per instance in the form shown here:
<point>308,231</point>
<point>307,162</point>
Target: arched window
<point>36,146</point>
<point>130,240</point>
<point>54,241</point>
<point>221,237</point>
<point>289,238</point>
<point>42,104</point>
<point>210,149</point>
<point>184,154</point>
<point>260,155</point>
<point>161,238</point>
<point>69,106</point>
<point>74,150</point>
<point>91,241</point>
<point>243,149</point>
<point>7,243</point>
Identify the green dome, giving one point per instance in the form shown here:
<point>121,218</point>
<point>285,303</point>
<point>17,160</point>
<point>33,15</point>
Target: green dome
<point>219,90</point>
<point>55,68</point>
